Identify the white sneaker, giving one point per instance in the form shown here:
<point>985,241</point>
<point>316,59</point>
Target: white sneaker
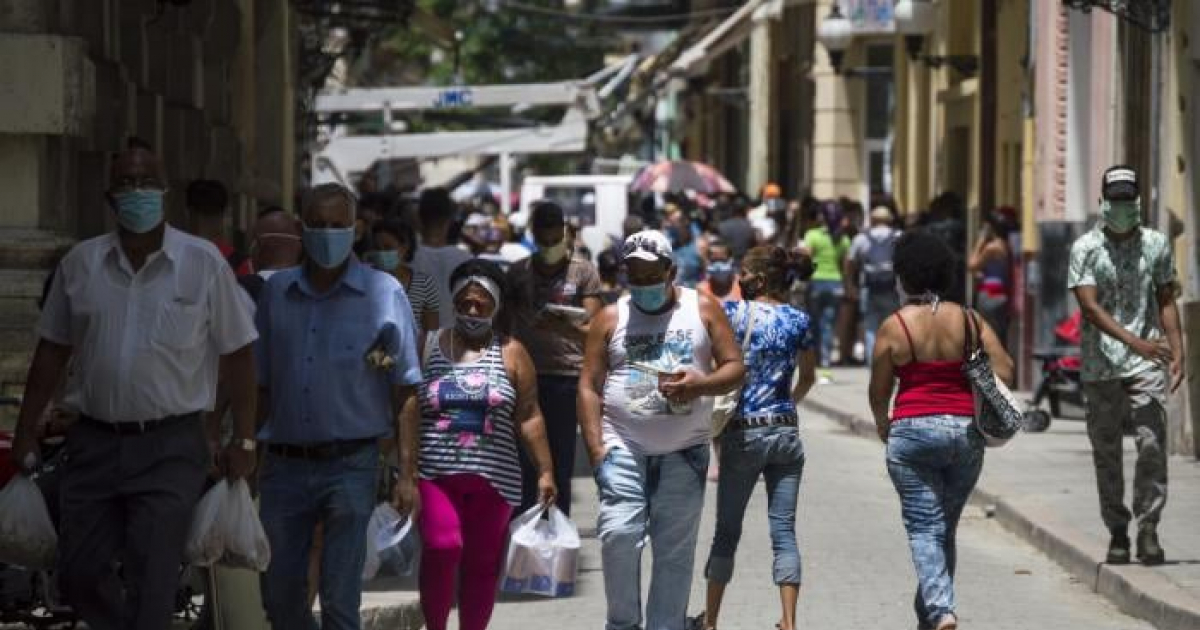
<point>825,379</point>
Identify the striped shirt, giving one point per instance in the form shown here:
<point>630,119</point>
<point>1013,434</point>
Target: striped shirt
<point>467,424</point>
<point>423,296</point>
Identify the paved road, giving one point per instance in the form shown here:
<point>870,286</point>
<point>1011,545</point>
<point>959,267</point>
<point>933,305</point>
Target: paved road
<point>856,563</point>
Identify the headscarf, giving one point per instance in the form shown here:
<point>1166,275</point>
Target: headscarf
<point>832,213</point>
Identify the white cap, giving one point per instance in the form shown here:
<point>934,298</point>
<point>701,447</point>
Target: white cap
<point>648,245</point>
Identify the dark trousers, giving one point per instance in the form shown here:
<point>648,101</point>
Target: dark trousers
<point>127,500</point>
<point>556,396</point>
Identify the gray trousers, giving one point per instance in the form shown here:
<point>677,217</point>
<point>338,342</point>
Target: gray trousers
<point>127,501</point>
<point>1139,399</point>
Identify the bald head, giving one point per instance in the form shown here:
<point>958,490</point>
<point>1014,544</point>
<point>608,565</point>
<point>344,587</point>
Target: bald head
<point>276,241</point>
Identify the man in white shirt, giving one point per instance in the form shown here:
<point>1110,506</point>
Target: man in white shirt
<point>437,257</point>
<point>146,312</point>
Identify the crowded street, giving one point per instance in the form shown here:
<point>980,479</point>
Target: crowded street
<point>603,314</point>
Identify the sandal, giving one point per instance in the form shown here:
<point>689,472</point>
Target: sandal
<point>948,622</point>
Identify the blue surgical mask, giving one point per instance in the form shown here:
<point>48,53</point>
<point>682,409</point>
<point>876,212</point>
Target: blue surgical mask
<point>649,298</point>
<point>328,247</point>
<point>1121,216</point>
<point>386,259</point>
<point>139,211</point>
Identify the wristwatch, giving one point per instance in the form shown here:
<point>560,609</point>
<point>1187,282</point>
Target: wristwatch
<point>246,444</point>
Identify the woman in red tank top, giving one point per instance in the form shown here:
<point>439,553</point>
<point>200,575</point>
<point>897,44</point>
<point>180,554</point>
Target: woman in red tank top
<point>934,453</point>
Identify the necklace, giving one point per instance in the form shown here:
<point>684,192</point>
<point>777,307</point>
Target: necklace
<point>928,297</point>
<point>470,381</point>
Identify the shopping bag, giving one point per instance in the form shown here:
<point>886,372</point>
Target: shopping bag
<point>27,536</point>
<point>391,543</point>
<point>226,530</point>
<point>246,544</point>
<point>543,554</point>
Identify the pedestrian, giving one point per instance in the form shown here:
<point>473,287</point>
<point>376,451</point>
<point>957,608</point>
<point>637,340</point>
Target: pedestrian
<point>1124,277</point>
<point>934,452</point>
<point>478,395</point>
<point>437,257</point>
<point>556,294</point>
<point>765,218</point>
<point>274,245</point>
<point>870,277</point>
<point>762,438</point>
<point>612,287</point>
<point>395,247</point>
<point>144,313</point>
<point>683,247</point>
<point>651,364</point>
<point>991,265</point>
<point>825,244</point>
<point>207,203</point>
<point>337,361</point>
<point>721,281</point>
<point>736,230</point>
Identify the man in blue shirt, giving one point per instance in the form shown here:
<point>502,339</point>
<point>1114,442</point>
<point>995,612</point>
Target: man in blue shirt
<point>337,363</point>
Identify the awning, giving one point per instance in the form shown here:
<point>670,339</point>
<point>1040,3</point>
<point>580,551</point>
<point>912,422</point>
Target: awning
<point>733,31</point>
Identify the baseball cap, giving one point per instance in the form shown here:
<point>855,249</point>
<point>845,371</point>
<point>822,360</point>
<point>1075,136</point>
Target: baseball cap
<point>1120,183</point>
<point>647,245</point>
<point>881,213</point>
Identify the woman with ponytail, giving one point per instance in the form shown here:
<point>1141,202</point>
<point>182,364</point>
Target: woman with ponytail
<point>762,437</point>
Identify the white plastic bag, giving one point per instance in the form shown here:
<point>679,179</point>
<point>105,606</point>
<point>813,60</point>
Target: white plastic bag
<point>226,530</point>
<point>27,536</point>
<point>391,543</point>
<point>543,554</point>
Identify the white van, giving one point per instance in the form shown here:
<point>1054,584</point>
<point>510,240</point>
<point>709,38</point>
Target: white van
<point>598,202</point>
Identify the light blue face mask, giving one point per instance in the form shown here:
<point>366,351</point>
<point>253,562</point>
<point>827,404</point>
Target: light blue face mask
<point>649,298</point>
<point>328,247</point>
<point>139,211</point>
<point>386,259</point>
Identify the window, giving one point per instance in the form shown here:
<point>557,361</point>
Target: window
<point>877,126</point>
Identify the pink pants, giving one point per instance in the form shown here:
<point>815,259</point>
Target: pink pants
<point>464,524</point>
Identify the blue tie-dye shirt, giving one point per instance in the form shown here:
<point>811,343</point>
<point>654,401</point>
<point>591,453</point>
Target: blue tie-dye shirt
<point>780,332</point>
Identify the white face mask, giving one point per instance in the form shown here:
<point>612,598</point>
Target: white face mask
<point>555,253</point>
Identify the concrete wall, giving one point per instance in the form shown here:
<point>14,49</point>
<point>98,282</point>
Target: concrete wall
<point>77,78</point>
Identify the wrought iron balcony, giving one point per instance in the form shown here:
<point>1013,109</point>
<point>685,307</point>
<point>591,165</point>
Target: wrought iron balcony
<point>1152,15</point>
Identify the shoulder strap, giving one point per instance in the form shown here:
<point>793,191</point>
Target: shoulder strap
<point>973,336</point>
<point>431,338</point>
<point>753,315</point>
<point>904,326</point>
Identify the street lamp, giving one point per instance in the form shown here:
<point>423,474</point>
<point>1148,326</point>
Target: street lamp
<point>915,19</point>
<point>835,34</point>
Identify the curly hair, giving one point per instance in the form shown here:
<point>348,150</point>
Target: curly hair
<point>401,231</point>
<point>771,270</point>
<point>924,263</point>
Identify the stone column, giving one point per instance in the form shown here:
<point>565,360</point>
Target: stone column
<point>761,129</point>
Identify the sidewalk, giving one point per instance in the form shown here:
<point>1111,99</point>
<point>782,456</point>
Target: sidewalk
<point>1042,487</point>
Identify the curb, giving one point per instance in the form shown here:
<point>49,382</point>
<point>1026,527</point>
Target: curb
<point>1138,591</point>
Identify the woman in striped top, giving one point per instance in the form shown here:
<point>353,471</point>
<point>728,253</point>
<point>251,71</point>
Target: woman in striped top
<point>478,396</point>
<point>396,243</point>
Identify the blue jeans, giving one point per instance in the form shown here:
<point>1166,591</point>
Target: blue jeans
<point>297,494</point>
<point>877,306</point>
<point>777,454</point>
<point>659,498</point>
<point>824,298</point>
<point>934,462</point>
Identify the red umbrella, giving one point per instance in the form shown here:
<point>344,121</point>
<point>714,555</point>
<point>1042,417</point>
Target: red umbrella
<point>679,176</point>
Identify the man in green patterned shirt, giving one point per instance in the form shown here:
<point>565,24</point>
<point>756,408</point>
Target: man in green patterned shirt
<point>1124,278</point>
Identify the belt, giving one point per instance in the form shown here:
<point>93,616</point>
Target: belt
<point>320,450</point>
<point>139,428</point>
<point>769,420</point>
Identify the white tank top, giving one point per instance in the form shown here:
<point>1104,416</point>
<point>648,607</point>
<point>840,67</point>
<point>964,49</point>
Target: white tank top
<point>636,416</point>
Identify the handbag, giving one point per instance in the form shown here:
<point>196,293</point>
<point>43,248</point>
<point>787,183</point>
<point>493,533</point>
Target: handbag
<point>726,405</point>
<point>997,413</point>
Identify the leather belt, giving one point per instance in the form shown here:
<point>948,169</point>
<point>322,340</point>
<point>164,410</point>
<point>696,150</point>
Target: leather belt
<point>138,428</point>
<point>320,450</point>
<point>770,420</point>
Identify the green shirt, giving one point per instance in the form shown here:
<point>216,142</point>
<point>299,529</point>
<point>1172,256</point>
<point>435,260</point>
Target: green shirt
<point>827,254</point>
<point>1128,276</point>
